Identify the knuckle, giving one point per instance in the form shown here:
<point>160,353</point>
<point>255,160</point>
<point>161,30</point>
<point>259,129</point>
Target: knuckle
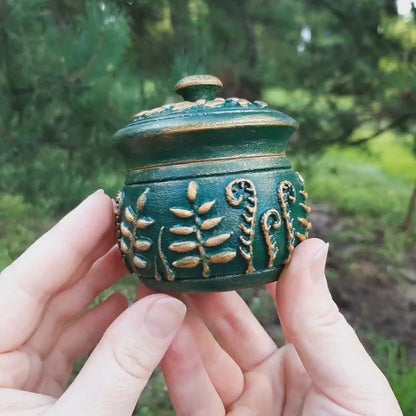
<point>134,360</point>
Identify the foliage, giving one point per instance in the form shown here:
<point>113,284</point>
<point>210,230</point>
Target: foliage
<point>392,358</point>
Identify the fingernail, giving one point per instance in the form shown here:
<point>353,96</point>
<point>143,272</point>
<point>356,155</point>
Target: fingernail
<point>317,269</point>
<point>99,191</point>
<point>164,316</point>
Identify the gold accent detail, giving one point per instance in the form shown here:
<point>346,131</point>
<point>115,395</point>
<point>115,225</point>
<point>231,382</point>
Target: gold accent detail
<point>219,159</point>
<point>199,226</point>
<point>197,80</point>
<point>170,275</point>
<point>305,194</point>
<point>139,262</point>
<point>143,223</point>
<point>143,245</point>
<point>216,102</point>
<point>182,230</point>
<point>305,223</point>
<point>234,193</point>
<point>224,257</point>
<point>123,247</point>
<point>192,191</point>
<point>244,120</point>
<point>307,208</point>
<point>217,240</point>
<point>286,196</point>
<point>301,180</point>
<point>183,105</point>
<point>129,216</point>
<point>141,200</point>
<point>128,233</point>
<point>181,213</point>
<point>211,223</point>
<point>301,237</point>
<point>139,115</point>
<point>187,262</point>
<point>154,111</point>
<point>204,208</point>
<point>260,103</point>
<point>183,246</point>
<point>243,102</point>
<point>271,243</point>
<point>125,232</point>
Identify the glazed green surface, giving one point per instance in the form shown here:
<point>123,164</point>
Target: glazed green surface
<point>204,144</point>
<point>163,197</point>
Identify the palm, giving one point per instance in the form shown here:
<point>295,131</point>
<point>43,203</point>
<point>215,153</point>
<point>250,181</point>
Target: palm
<point>39,340</point>
<point>222,362</point>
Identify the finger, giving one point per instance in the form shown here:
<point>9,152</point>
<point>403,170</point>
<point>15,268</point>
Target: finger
<point>327,346</point>
<point>235,327</point>
<point>220,367</point>
<point>78,339</point>
<point>81,336</point>
<point>71,302</point>
<point>114,376</point>
<point>189,385</point>
<point>19,402</point>
<point>60,256</point>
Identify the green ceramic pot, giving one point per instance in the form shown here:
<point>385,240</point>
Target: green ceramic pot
<point>210,201</point>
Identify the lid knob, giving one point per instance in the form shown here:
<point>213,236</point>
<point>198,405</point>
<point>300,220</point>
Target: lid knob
<point>196,87</point>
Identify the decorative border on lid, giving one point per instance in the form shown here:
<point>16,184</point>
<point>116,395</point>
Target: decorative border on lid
<point>202,103</point>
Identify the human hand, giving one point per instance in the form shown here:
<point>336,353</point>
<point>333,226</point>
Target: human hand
<point>40,295</point>
<point>323,370</point>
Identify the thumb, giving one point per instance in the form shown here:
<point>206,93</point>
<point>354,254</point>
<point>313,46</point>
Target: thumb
<point>111,381</point>
<point>326,344</point>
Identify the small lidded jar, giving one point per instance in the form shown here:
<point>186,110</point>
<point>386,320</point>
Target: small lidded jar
<point>210,201</point>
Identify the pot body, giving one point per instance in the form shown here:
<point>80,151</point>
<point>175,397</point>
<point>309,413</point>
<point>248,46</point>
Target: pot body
<point>212,224</point>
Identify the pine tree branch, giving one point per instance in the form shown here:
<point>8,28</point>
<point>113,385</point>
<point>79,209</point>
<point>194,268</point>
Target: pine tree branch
<point>90,64</point>
<point>399,121</point>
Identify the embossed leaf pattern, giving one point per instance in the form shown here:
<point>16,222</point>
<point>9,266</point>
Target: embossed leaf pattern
<point>140,262</point>
<point>217,240</point>
<point>211,223</point>
<point>187,262</point>
<point>242,191</point>
<point>183,246</point>
<point>143,223</point>
<point>125,231</point>
<point>192,191</point>
<point>123,246</point>
<point>129,216</point>
<point>182,213</point>
<point>143,244</point>
<point>130,240</point>
<point>182,230</point>
<point>223,257</point>
<point>141,201</point>
<point>204,208</point>
<point>198,228</point>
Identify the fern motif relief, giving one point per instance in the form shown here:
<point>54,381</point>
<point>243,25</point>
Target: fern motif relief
<point>271,220</point>
<point>237,192</point>
<point>131,243</point>
<point>196,247</point>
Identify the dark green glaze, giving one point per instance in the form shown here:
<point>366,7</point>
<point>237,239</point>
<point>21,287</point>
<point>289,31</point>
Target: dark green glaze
<point>211,202</point>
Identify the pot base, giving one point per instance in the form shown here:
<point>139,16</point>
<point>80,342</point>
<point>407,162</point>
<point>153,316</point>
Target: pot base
<point>217,284</point>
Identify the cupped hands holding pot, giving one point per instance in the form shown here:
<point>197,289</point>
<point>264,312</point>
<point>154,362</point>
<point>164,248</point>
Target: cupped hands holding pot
<point>216,357</point>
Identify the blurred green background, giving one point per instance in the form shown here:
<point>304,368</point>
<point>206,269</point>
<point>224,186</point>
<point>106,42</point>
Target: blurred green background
<point>73,71</point>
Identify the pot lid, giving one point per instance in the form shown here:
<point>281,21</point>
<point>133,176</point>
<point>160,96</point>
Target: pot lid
<point>201,110</point>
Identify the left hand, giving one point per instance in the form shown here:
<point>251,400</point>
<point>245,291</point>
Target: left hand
<point>43,333</point>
